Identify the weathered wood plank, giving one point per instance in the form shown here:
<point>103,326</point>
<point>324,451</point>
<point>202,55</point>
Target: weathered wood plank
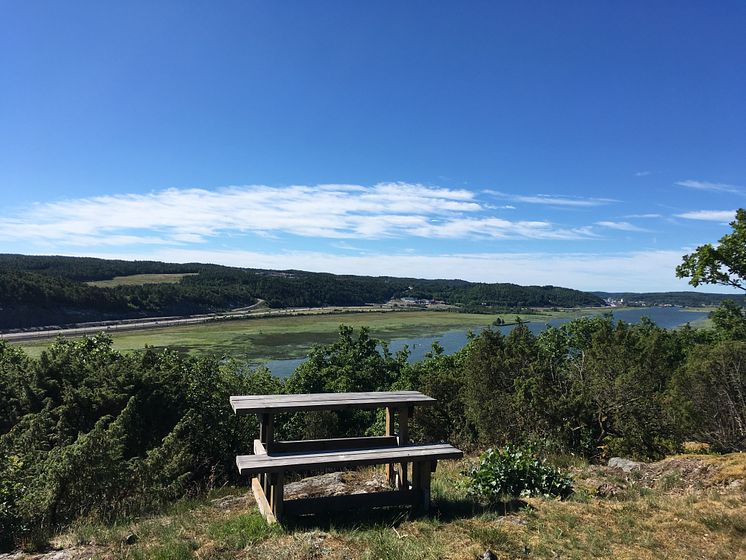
<point>278,494</point>
<point>261,501</point>
<point>259,448</point>
<point>250,464</point>
<point>403,440</point>
<point>390,417</point>
<point>325,504</point>
<point>332,444</point>
<point>267,430</point>
<point>260,404</point>
<point>424,484</point>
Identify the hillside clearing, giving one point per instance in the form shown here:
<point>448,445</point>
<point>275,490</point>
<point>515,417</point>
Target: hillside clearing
<point>140,279</point>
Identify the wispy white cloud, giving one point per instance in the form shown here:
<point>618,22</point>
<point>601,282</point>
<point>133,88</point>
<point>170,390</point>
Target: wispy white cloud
<point>187,216</point>
<point>643,173</point>
<point>620,226</point>
<point>709,215</point>
<point>554,200</point>
<point>709,186</point>
<point>648,270</point>
<point>643,216</point>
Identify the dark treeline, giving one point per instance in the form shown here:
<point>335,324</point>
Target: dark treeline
<point>48,290</point>
<point>85,269</point>
<point>88,431</point>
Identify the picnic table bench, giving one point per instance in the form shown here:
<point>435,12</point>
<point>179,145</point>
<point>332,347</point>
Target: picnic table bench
<point>272,459</point>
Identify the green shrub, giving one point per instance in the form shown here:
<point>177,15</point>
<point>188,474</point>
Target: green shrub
<point>11,489</point>
<point>99,434</point>
<point>512,472</point>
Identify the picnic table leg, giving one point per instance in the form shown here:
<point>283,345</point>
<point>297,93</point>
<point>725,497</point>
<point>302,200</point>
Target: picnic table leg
<point>416,485</point>
<point>390,470</point>
<point>403,440</point>
<point>425,468</point>
<point>278,490</point>
<point>266,436</point>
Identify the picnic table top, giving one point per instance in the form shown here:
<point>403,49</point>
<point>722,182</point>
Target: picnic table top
<point>259,404</point>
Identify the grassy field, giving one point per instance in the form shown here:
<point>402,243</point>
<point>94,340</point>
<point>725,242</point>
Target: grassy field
<point>684,507</point>
<point>291,337</point>
<point>140,279</point>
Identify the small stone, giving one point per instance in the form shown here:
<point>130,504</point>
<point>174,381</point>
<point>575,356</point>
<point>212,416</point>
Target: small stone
<point>624,464</point>
<point>229,502</point>
<point>57,555</point>
<point>735,485</point>
<point>488,555</point>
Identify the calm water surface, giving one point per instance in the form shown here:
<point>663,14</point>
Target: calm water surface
<point>454,340</point>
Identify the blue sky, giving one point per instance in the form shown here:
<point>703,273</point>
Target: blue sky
<point>582,144</point>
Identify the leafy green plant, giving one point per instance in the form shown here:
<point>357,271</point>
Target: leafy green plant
<point>512,472</point>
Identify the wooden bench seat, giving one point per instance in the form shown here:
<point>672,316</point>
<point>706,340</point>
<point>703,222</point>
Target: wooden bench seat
<point>424,459</point>
<point>254,464</point>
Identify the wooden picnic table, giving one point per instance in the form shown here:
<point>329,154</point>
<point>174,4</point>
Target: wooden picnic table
<point>271,458</point>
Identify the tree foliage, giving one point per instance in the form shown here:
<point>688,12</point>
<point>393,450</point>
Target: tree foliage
<point>723,264</point>
<point>90,431</point>
<point>711,391</point>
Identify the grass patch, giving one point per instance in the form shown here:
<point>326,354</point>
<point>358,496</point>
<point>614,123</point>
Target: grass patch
<point>723,521</point>
<point>497,538</point>
<point>238,532</point>
<point>140,279</point>
<point>167,551</point>
<point>387,543</point>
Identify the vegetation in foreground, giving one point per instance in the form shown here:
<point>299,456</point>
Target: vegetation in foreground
<point>89,432</point>
<point>683,507</point>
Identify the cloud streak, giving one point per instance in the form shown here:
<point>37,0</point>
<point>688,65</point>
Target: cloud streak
<point>712,187</point>
<point>188,216</point>
<point>554,200</point>
<point>621,226</point>
<point>709,215</point>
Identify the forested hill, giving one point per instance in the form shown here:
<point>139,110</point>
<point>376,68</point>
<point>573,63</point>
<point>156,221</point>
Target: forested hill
<point>686,299</point>
<point>53,290</point>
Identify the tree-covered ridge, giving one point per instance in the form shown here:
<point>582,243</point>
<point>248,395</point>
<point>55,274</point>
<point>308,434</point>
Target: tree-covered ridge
<point>51,290</point>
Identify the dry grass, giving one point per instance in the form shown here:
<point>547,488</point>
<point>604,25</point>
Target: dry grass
<point>730,467</point>
<point>666,516</point>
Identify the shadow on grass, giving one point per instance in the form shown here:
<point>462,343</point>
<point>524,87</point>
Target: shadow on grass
<point>354,519</point>
<point>450,509</point>
<point>443,509</point>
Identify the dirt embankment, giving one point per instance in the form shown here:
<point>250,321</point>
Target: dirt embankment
<point>678,474</point>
